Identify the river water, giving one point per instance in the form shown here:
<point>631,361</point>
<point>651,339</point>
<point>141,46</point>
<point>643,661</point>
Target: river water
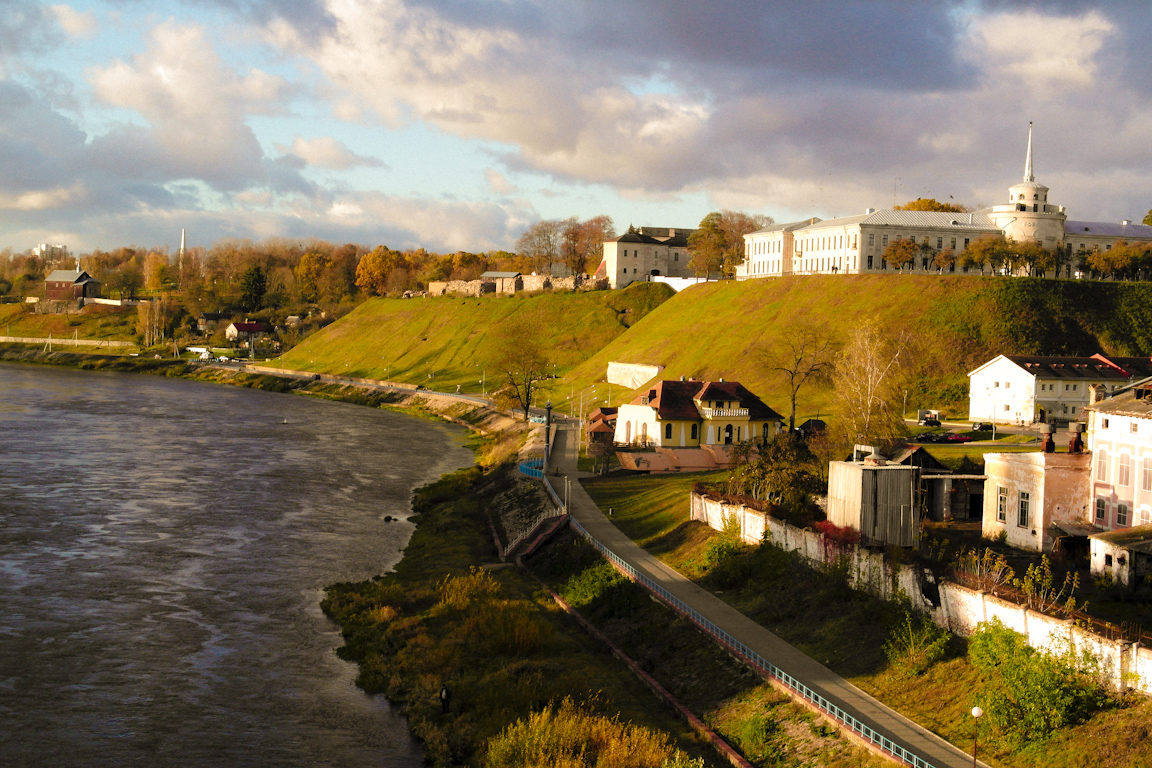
<point>163,548</point>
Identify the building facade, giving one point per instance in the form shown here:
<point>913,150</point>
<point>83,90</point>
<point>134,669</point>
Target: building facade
<point>1120,439</point>
<point>647,251</point>
<point>856,244</point>
<point>690,413</point>
<point>1015,389</point>
<point>70,284</point>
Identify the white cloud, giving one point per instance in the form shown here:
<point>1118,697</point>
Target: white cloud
<point>498,183</point>
<point>1037,50</point>
<point>327,152</point>
<point>75,23</point>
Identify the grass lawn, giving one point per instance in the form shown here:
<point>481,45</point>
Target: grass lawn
<point>846,631</point>
<point>93,322</point>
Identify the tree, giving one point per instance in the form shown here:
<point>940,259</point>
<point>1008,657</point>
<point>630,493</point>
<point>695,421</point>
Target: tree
<point>929,204</point>
<point>717,246</point>
<point>900,253</point>
<point>991,250</point>
<point>308,272</point>
<point>540,244</point>
<point>253,286</point>
<point>945,260</point>
<point>1148,219</point>
<point>1031,255</point>
<point>523,362</point>
<point>867,378</point>
<point>779,471</point>
<point>582,242</point>
<point>155,263</point>
<point>799,358</point>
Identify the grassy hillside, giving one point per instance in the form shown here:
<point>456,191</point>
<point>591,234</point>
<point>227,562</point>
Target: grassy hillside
<point>713,330</point>
<point>93,322</point>
<point>957,322</point>
<point>447,341</point>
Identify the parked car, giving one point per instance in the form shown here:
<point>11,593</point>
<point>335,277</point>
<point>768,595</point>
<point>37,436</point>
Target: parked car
<point>984,426</point>
<point>929,422</point>
<point>953,437</point>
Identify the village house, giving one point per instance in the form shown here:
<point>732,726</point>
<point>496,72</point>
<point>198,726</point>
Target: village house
<point>70,284</point>
<point>1035,498</point>
<point>246,331</point>
<point>689,413</point>
<point>1018,389</point>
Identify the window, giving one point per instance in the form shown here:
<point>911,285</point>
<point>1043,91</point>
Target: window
<point>966,241</point>
<point>1023,519</point>
<point>668,431</point>
<point>1146,476</point>
<point>1007,385</point>
<point>869,261</point>
<point>1121,514</point>
<point>953,244</point>
<point>939,243</point>
<point>884,240</point>
<point>1104,423</point>
<point>1145,516</point>
<point>1001,504</point>
<point>695,431</point>
<point>871,238</point>
<point>1102,467</point>
<point>1101,510</point>
<point>1124,470</point>
<point>1133,428</point>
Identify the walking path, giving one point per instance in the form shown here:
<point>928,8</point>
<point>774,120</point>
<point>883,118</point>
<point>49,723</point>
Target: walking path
<point>890,725</point>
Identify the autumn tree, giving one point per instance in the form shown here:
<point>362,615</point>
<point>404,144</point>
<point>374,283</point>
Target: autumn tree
<point>781,470</point>
<point>155,264</point>
<point>524,362</point>
<point>1030,254</point>
<point>945,260</point>
<point>867,378</point>
<point>581,242</point>
<point>308,272</point>
<point>717,246</point>
<point>540,244</point>
<point>991,250</point>
<point>798,358</point>
<point>901,253</point>
<point>1148,219</point>
<point>253,286</point>
<point>929,204</point>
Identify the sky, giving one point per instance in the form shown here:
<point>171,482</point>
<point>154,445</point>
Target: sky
<point>455,124</point>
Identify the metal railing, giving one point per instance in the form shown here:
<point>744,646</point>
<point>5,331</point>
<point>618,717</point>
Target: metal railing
<point>756,660</point>
<point>533,468</point>
<point>713,413</point>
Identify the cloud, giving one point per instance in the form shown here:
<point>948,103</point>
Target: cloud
<point>75,23</point>
<point>327,152</point>
<point>497,183</point>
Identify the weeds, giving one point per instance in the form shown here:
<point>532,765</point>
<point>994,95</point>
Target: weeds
<point>916,645</point>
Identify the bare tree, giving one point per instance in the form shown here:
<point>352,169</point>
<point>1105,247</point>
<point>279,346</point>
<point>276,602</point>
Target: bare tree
<point>524,363</point>
<point>867,378</point>
<point>582,242</point>
<point>798,359</point>
<point>717,246</point>
<point>540,244</point>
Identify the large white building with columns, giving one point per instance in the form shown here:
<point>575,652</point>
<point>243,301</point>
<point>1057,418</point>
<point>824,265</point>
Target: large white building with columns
<point>855,244</point>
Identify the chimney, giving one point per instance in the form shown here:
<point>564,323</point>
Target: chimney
<point>874,459</point>
<point>1126,222</point>
<point>1093,393</point>
<point>1075,443</point>
<point>721,379</point>
<point>869,210</point>
<point>1047,445</point>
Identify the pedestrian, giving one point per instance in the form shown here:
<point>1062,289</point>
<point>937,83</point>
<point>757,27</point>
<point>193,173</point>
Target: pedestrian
<point>445,698</point>
<point>457,389</point>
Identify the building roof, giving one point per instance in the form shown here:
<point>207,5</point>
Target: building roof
<point>676,400</point>
<point>252,327</point>
<point>67,276</point>
<point>677,240</point>
<point>1135,401</point>
<point>912,219</point>
<point>495,275</point>
<point>1108,229</point>
<point>1138,538</point>
<point>785,227</point>
<point>1069,367</point>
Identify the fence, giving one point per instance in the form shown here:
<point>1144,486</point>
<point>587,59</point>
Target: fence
<point>756,660</point>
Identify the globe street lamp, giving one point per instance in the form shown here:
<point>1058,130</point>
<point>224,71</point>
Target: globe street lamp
<point>977,713</point>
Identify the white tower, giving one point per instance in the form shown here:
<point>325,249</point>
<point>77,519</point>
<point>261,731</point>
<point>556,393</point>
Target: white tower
<point>180,256</point>
<point>1028,217</point>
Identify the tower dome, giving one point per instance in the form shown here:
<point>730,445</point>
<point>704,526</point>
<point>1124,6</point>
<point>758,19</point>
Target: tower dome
<point>1028,217</point>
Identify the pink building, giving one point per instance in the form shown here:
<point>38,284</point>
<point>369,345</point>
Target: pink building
<point>1120,441</point>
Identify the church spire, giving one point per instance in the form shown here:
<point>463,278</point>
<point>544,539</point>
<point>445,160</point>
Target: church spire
<point>1028,175</point>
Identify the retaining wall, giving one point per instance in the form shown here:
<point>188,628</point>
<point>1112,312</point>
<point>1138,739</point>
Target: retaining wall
<point>961,609</point>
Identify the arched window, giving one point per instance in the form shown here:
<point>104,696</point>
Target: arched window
<point>728,434</point>
<point>695,431</point>
<point>668,431</point>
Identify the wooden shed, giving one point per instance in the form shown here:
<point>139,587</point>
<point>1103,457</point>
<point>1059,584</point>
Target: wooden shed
<point>877,499</point>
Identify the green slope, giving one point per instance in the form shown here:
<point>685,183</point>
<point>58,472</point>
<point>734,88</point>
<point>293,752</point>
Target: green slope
<point>956,323</point>
<point>447,341</point>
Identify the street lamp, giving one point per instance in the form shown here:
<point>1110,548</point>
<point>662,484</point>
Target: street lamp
<point>547,431</point>
<point>977,713</point>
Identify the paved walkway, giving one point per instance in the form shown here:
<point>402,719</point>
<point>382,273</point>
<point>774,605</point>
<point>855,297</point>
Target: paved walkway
<point>929,747</point>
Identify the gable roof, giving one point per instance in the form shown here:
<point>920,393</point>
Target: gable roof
<point>67,276</point>
<point>252,327</point>
<point>675,400</point>
<point>499,274</point>
<point>1134,401</point>
<point>1097,367</point>
<point>1108,229</point>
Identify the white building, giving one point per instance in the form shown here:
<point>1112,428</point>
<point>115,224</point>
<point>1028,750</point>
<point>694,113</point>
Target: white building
<point>647,251</point>
<point>1015,389</point>
<point>690,414</point>
<point>51,251</point>
<point>855,244</point>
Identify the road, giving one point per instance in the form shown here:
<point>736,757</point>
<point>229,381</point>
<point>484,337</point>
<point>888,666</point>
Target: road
<point>928,746</point>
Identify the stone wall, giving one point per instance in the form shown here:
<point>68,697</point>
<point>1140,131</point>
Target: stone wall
<point>960,610</point>
<point>506,285</point>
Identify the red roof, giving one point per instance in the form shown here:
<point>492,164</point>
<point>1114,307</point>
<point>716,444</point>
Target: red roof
<point>251,327</point>
<point>674,400</point>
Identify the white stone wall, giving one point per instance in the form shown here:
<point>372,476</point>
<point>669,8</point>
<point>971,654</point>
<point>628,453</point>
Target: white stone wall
<point>961,609</point>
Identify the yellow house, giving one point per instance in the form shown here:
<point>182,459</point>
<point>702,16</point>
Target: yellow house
<point>690,413</point>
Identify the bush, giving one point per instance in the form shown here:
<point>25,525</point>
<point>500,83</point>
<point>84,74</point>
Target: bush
<point>916,645</point>
<point>1028,694</point>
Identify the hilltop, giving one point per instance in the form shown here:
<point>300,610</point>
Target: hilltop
<point>713,330</point>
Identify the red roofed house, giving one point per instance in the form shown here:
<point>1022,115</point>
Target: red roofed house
<point>246,331</point>
<point>689,414</point>
<point>70,284</point>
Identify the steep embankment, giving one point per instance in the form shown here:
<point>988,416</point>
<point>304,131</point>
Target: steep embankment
<point>446,341</point>
<point>955,323</point>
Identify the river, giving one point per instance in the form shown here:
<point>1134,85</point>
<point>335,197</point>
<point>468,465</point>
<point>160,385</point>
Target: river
<point>163,549</point>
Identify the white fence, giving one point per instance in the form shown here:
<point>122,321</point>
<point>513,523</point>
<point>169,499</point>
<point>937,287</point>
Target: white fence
<point>961,609</point>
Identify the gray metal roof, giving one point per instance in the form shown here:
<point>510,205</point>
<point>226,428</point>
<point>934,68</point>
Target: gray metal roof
<point>65,276</point>
<point>1108,229</point>
<point>786,227</point>
<point>500,274</point>
<point>913,219</point>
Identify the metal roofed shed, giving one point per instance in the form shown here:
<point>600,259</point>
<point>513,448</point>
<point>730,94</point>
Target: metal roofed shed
<point>877,499</point>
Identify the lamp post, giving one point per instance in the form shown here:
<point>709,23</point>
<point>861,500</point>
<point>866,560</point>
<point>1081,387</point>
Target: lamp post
<point>547,432</point>
<point>977,713</point>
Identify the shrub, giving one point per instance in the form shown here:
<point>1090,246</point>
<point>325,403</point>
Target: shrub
<point>916,645</point>
<point>459,591</point>
<point>573,736</point>
<point>1028,694</point>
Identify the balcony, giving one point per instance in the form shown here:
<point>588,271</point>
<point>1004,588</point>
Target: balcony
<point>724,413</point>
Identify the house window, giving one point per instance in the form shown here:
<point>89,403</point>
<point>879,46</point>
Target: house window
<point>1145,516</point>
<point>1121,514</point>
<point>884,240</point>
<point>668,431</point>
<point>695,431</point>
<point>1101,510</point>
<point>1001,504</point>
<point>953,246</point>
<point>871,239</point>
<point>966,240</point>
<point>939,243</point>
<point>1125,470</point>
<point>1023,519</point>
<point>1102,467</point>
<point>1104,423</point>
<point>1146,476</point>
<point>1133,427</point>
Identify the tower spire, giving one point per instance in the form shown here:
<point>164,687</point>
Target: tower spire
<point>1028,175</point>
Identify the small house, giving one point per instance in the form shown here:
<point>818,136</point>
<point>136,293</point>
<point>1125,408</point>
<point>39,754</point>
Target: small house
<point>246,331</point>
<point>71,284</point>
<point>1125,554</point>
